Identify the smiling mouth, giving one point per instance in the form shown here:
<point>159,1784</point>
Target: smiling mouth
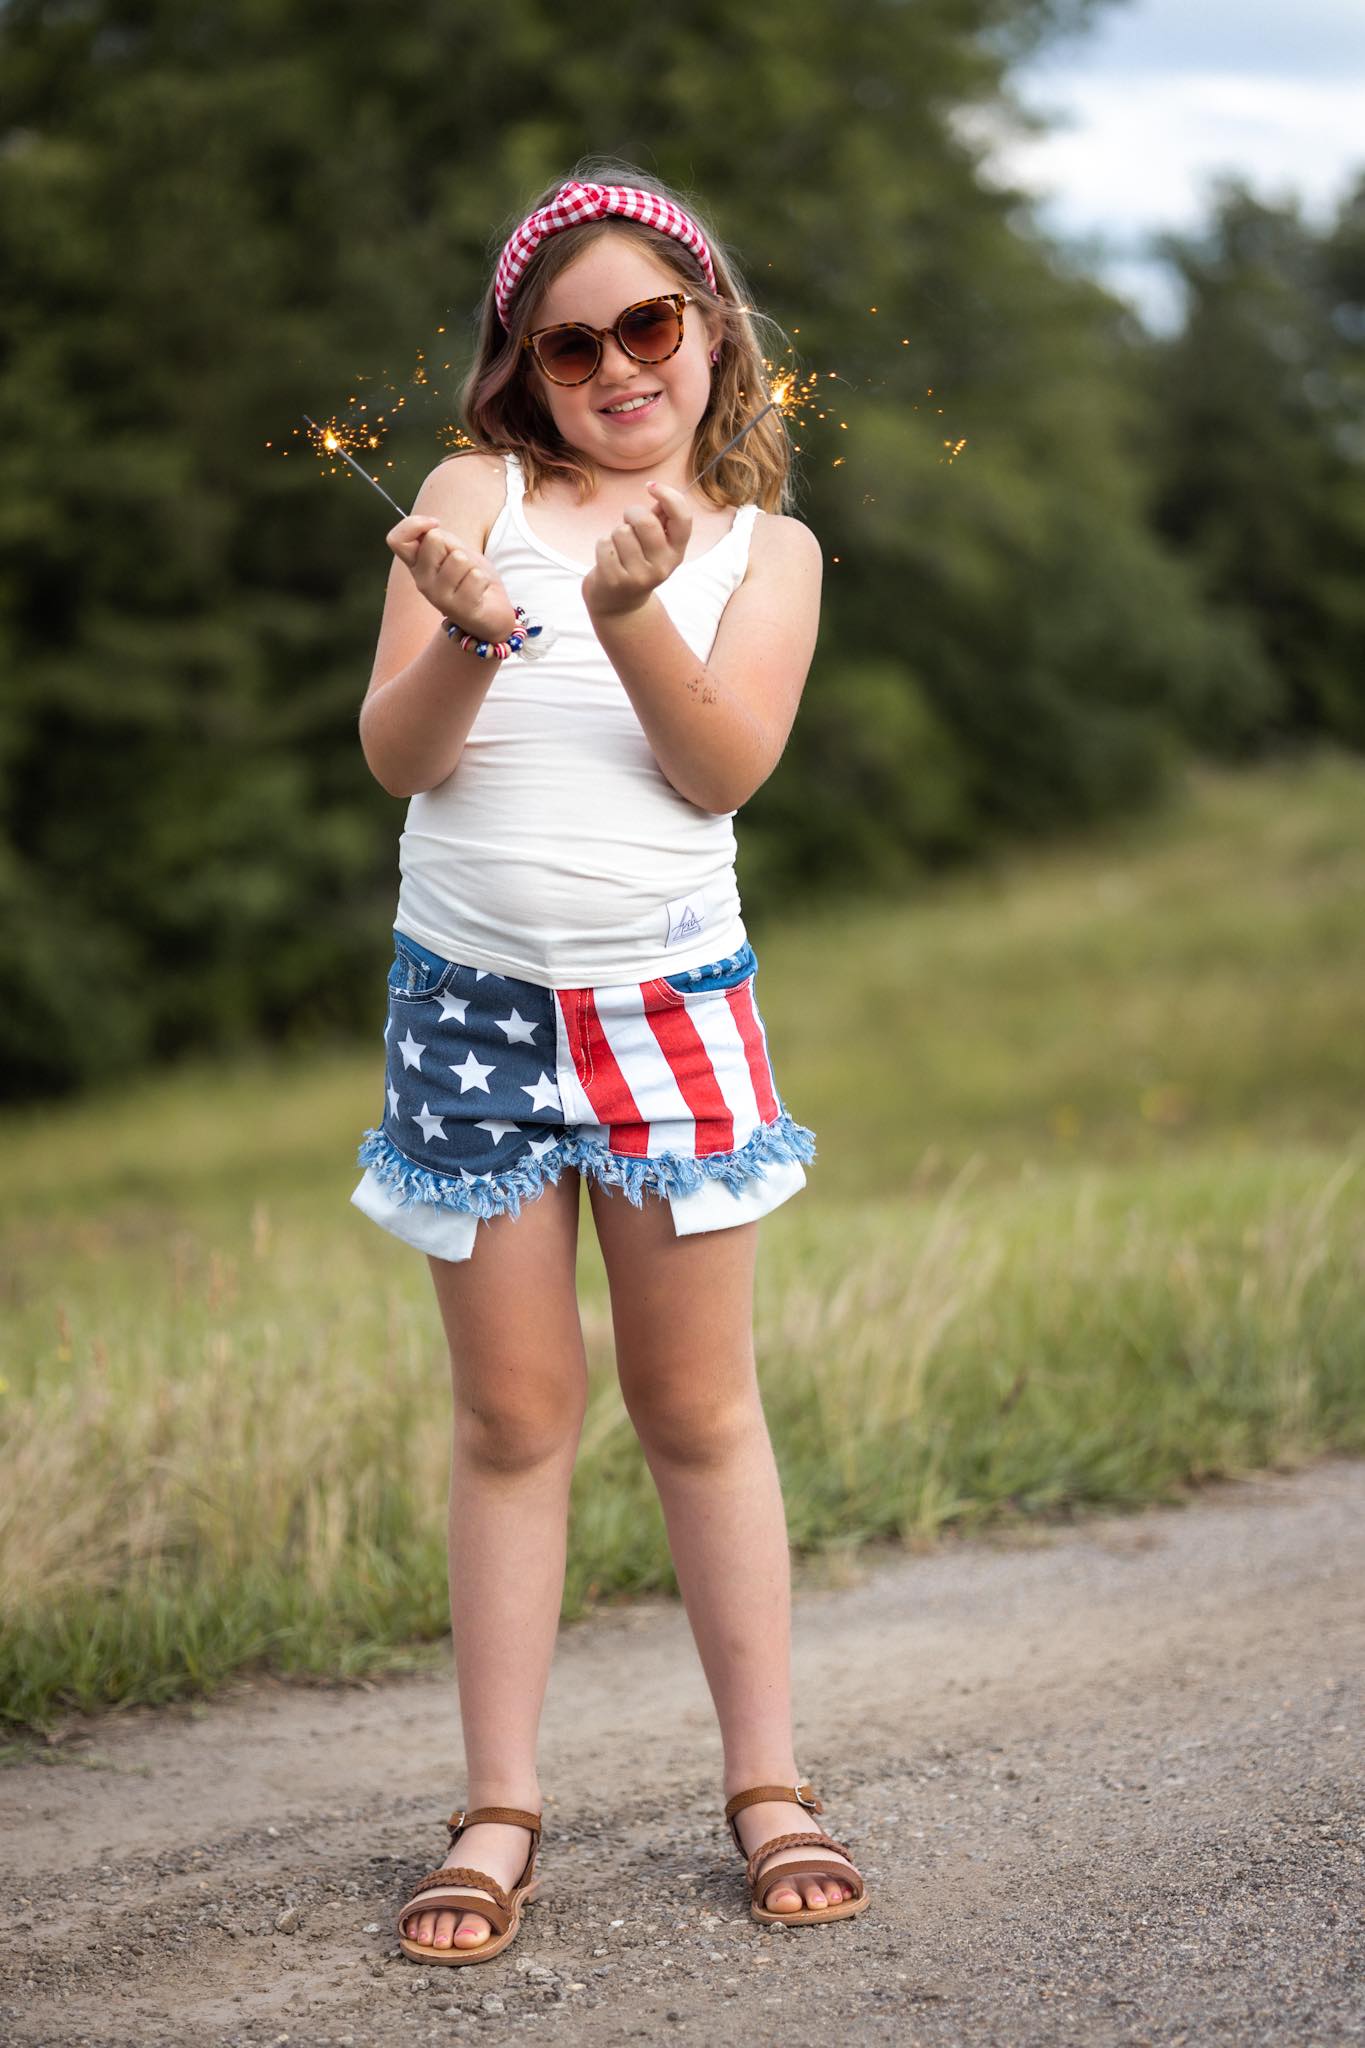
<point>635,403</point>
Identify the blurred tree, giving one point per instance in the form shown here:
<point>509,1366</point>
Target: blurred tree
<point>1258,449</point>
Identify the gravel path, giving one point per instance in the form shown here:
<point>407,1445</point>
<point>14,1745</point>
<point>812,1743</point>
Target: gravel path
<point>1105,1781</point>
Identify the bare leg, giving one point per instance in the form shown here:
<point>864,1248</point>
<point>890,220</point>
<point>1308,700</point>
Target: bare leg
<point>682,1313</point>
<point>519,1382</point>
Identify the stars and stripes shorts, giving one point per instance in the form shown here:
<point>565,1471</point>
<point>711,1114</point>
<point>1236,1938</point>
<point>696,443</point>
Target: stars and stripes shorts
<point>494,1085</point>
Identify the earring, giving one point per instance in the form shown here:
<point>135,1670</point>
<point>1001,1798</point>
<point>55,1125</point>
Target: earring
<point>715,355</point>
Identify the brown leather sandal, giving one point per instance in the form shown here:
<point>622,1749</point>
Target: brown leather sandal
<point>447,1891</point>
<point>802,1866</point>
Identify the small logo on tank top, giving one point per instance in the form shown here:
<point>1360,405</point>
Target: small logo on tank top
<point>685,919</point>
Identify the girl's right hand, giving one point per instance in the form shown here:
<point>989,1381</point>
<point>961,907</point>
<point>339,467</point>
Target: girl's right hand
<point>461,583</point>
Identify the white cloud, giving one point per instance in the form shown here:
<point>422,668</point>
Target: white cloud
<point>1139,152</point>
<point>1160,97</point>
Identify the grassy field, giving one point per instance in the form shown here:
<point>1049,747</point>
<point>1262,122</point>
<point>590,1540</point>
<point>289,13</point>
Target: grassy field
<point>1086,1227</point>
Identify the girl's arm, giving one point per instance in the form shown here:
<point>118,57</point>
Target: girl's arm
<point>424,693</point>
<point>717,728</point>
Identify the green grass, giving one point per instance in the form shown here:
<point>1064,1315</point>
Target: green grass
<point>1087,1227</point>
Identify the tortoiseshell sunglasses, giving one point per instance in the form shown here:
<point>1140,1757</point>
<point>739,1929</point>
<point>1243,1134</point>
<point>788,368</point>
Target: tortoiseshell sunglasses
<point>650,331</point>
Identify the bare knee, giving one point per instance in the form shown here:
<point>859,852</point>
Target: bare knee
<point>514,1430</point>
<point>688,1424</point>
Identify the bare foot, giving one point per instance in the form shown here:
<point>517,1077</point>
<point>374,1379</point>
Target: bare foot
<point>496,1847</point>
<point>760,1823</point>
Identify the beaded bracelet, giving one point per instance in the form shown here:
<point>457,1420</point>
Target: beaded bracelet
<point>518,641</point>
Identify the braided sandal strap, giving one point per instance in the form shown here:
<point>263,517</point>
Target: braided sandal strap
<point>457,1876</point>
<point>803,1867</point>
<point>807,1866</point>
<point>448,1891</point>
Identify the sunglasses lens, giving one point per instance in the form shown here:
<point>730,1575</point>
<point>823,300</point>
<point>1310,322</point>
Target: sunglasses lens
<point>651,332</point>
<point>569,355</point>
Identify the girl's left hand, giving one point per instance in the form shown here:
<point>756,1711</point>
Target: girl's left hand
<point>639,554</point>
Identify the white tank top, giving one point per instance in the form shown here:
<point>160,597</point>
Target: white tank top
<point>556,850</point>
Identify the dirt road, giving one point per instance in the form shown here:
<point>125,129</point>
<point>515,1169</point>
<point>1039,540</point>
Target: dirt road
<point>1106,1784</point>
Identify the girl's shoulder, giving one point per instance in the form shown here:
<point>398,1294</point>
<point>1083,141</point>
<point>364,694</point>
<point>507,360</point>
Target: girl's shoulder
<point>465,492</point>
<point>783,544</point>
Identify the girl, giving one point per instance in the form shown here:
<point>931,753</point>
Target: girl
<point>588,661</point>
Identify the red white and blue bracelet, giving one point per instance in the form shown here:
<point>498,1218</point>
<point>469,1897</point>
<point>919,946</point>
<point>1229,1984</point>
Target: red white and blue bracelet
<point>526,639</point>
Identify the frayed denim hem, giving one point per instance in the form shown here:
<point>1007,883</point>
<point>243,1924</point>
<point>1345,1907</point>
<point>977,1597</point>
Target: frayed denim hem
<point>494,1194</point>
<point>667,1173</point>
<point>673,1173</point>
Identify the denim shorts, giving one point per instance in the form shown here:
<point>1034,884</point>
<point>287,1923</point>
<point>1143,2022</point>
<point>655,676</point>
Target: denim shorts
<point>494,1085</point>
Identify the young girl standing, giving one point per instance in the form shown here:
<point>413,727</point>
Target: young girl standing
<point>588,662</point>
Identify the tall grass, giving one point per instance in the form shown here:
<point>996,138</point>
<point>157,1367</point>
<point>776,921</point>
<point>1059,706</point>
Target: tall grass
<point>1086,1228</point>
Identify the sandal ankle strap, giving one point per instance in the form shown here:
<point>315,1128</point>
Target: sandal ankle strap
<point>510,1816</point>
<point>795,1795</point>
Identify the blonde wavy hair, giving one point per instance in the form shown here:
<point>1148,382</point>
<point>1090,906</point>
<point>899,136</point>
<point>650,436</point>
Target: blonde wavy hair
<point>502,412</point>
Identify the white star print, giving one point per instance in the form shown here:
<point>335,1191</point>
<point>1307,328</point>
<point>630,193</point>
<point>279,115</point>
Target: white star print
<point>411,1050</point>
<point>499,1130</point>
<point>471,1177</point>
<point>393,1100</point>
<point>544,1095</point>
<point>471,1074</point>
<point>432,1126</point>
<point>482,974</point>
<point>452,1006</point>
<point>540,1146</point>
<point>519,1032</point>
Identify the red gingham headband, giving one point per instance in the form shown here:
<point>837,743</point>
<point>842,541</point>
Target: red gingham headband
<point>573,203</point>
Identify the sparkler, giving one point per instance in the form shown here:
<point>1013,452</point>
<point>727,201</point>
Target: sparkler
<point>771,406</point>
<point>333,446</point>
<point>785,397</point>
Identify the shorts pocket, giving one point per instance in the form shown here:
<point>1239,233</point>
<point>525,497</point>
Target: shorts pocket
<point>726,973</point>
<point>417,973</point>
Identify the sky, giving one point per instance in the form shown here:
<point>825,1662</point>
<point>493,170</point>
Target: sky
<point>1161,94</point>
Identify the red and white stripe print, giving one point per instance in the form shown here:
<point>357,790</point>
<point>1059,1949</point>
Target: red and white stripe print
<point>668,1071</point>
<point>574,203</point>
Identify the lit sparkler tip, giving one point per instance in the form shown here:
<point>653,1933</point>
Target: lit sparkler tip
<point>330,441</point>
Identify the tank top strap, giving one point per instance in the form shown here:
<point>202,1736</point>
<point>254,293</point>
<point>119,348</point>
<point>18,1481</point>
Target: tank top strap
<point>514,490</point>
<point>516,482</point>
<point>741,534</point>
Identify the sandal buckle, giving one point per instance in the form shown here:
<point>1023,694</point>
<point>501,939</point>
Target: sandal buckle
<point>812,1805</point>
<point>456,1821</point>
